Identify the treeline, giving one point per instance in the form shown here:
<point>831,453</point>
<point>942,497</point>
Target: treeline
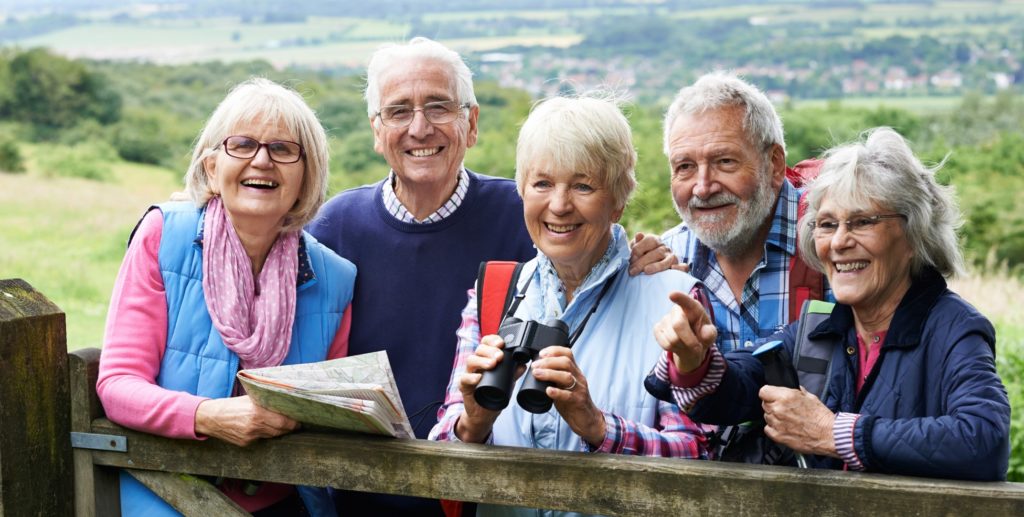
<point>88,114</point>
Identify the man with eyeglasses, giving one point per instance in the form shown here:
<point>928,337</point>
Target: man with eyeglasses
<point>418,237</point>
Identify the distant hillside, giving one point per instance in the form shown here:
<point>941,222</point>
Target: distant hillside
<point>793,49</point>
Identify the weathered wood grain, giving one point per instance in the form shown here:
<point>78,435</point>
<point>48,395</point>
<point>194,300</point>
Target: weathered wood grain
<point>96,487</point>
<point>592,483</point>
<point>191,496</point>
<point>35,449</point>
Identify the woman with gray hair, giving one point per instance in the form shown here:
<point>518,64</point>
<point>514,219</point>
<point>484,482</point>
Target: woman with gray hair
<point>227,281</point>
<point>575,171</point>
<point>911,381</point>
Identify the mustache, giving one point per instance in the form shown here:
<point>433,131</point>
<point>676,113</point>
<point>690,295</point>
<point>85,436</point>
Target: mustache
<point>719,199</point>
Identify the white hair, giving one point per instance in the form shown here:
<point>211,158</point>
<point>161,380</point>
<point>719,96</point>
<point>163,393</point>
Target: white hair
<point>256,101</point>
<point>722,89</point>
<point>419,49</point>
<point>588,134</point>
<point>881,169</point>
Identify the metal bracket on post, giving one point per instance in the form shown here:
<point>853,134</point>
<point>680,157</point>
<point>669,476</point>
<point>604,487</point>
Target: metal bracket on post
<point>99,442</point>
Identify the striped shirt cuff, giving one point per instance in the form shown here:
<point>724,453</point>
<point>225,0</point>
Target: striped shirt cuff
<point>842,433</point>
<point>686,397</point>
<point>612,436</point>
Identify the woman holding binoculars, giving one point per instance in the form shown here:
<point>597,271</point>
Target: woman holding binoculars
<point>574,170</point>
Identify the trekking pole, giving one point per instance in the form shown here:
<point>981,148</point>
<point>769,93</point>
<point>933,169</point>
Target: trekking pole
<point>779,371</point>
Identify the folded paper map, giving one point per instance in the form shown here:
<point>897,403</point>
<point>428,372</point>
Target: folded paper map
<point>355,393</point>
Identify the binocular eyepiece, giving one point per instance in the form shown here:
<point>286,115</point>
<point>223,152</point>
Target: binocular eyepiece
<point>523,341</point>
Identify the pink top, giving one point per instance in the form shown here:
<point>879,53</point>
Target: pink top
<point>133,347</point>
<point>868,356</point>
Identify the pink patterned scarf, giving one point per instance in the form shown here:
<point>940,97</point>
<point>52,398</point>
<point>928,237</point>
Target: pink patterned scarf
<point>257,327</point>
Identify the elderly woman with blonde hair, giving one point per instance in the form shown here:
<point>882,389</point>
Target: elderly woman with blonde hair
<point>575,171</point>
<point>226,281</point>
<point>911,381</point>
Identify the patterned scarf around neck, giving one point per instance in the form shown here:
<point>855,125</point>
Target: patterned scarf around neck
<point>258,328</point>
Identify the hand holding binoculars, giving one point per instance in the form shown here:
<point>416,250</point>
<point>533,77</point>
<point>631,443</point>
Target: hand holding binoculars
<point>523,341</point>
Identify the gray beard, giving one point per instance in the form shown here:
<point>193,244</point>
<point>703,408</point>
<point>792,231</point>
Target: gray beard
<point>735,239</point>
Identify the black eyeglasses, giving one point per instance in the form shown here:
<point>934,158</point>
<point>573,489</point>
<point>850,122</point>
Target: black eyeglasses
<point>860,225</point>
<point>280,151</point>
<point>401,115</point>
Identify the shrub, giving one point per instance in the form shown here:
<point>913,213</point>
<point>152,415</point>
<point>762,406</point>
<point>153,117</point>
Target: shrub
<point>1010,363</point>
<point>89,160</point>
<point>10,156</point>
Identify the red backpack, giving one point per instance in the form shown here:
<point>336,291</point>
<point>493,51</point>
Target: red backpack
<point>804,283</point>
<point>495,290</point>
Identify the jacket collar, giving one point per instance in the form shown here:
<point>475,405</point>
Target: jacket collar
<point>908,321</point>
<point>303,276</point>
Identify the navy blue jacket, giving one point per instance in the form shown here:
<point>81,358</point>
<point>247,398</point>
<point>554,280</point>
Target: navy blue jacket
<point>932,405</point>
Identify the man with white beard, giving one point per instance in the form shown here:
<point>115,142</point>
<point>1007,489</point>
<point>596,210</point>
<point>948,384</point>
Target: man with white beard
<point>727,157</point>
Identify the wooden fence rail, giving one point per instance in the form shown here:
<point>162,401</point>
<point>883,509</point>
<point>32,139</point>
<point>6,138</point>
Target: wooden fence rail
<point>593,483</point>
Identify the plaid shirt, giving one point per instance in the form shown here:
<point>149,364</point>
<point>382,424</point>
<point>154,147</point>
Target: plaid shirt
<point>764,309</point>
<point>675,435</point>
<point>397,209</point>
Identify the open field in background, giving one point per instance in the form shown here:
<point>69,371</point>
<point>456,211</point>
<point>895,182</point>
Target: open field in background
<point>66,236</point>
<point>921,104</point>
<point>345,41</point>
<point>320,42</point>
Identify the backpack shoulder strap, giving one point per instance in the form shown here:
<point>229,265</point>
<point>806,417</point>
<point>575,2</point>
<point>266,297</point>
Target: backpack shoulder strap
<point>813,357</point>
<point>804,283</point>
<point>495,287</point>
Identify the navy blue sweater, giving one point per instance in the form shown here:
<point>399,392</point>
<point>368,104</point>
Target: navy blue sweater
<point>412,278</point>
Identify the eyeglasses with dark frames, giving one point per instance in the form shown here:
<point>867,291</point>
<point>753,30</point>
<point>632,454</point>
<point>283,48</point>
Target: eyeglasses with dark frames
<point>280,151</point>
<point>859,225</point>
<point>440,112</point>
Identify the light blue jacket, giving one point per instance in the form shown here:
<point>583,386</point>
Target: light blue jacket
<point>196,360</point>
<point>615,351</point>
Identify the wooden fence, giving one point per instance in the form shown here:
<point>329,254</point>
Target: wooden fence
<point>48,396</point>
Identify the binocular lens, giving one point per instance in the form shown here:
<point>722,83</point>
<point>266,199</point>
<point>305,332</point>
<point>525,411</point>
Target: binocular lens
<point>491,397</point>
<point>534,400</point>
<point>493,391</point>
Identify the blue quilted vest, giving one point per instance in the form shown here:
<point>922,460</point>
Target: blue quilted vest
<point>196,360</point>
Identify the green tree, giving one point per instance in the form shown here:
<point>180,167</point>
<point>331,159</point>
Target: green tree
<point>52,93</point>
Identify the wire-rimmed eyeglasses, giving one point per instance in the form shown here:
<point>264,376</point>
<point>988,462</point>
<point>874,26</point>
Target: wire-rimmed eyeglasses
<point>280,151</point>
<point>439,112</point>
<point>859,225</point>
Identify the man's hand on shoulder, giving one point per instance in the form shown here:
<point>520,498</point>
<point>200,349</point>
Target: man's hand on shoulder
<point>649,256</point>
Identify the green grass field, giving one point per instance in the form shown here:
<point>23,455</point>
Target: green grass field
<point>922,104</point>
<point>66,237</point>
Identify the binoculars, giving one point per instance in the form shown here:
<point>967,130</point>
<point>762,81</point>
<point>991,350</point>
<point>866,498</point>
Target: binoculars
<point>523,341</point>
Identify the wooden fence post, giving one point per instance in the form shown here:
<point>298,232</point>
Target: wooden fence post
<point>96,488</point>
<point>35,443</point>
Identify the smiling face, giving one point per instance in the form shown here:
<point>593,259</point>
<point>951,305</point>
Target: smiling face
<point>423,153</point>
<point>722,185</point>
<point>569,217</point>
<point>256,190</point>
<point>869,271</point>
